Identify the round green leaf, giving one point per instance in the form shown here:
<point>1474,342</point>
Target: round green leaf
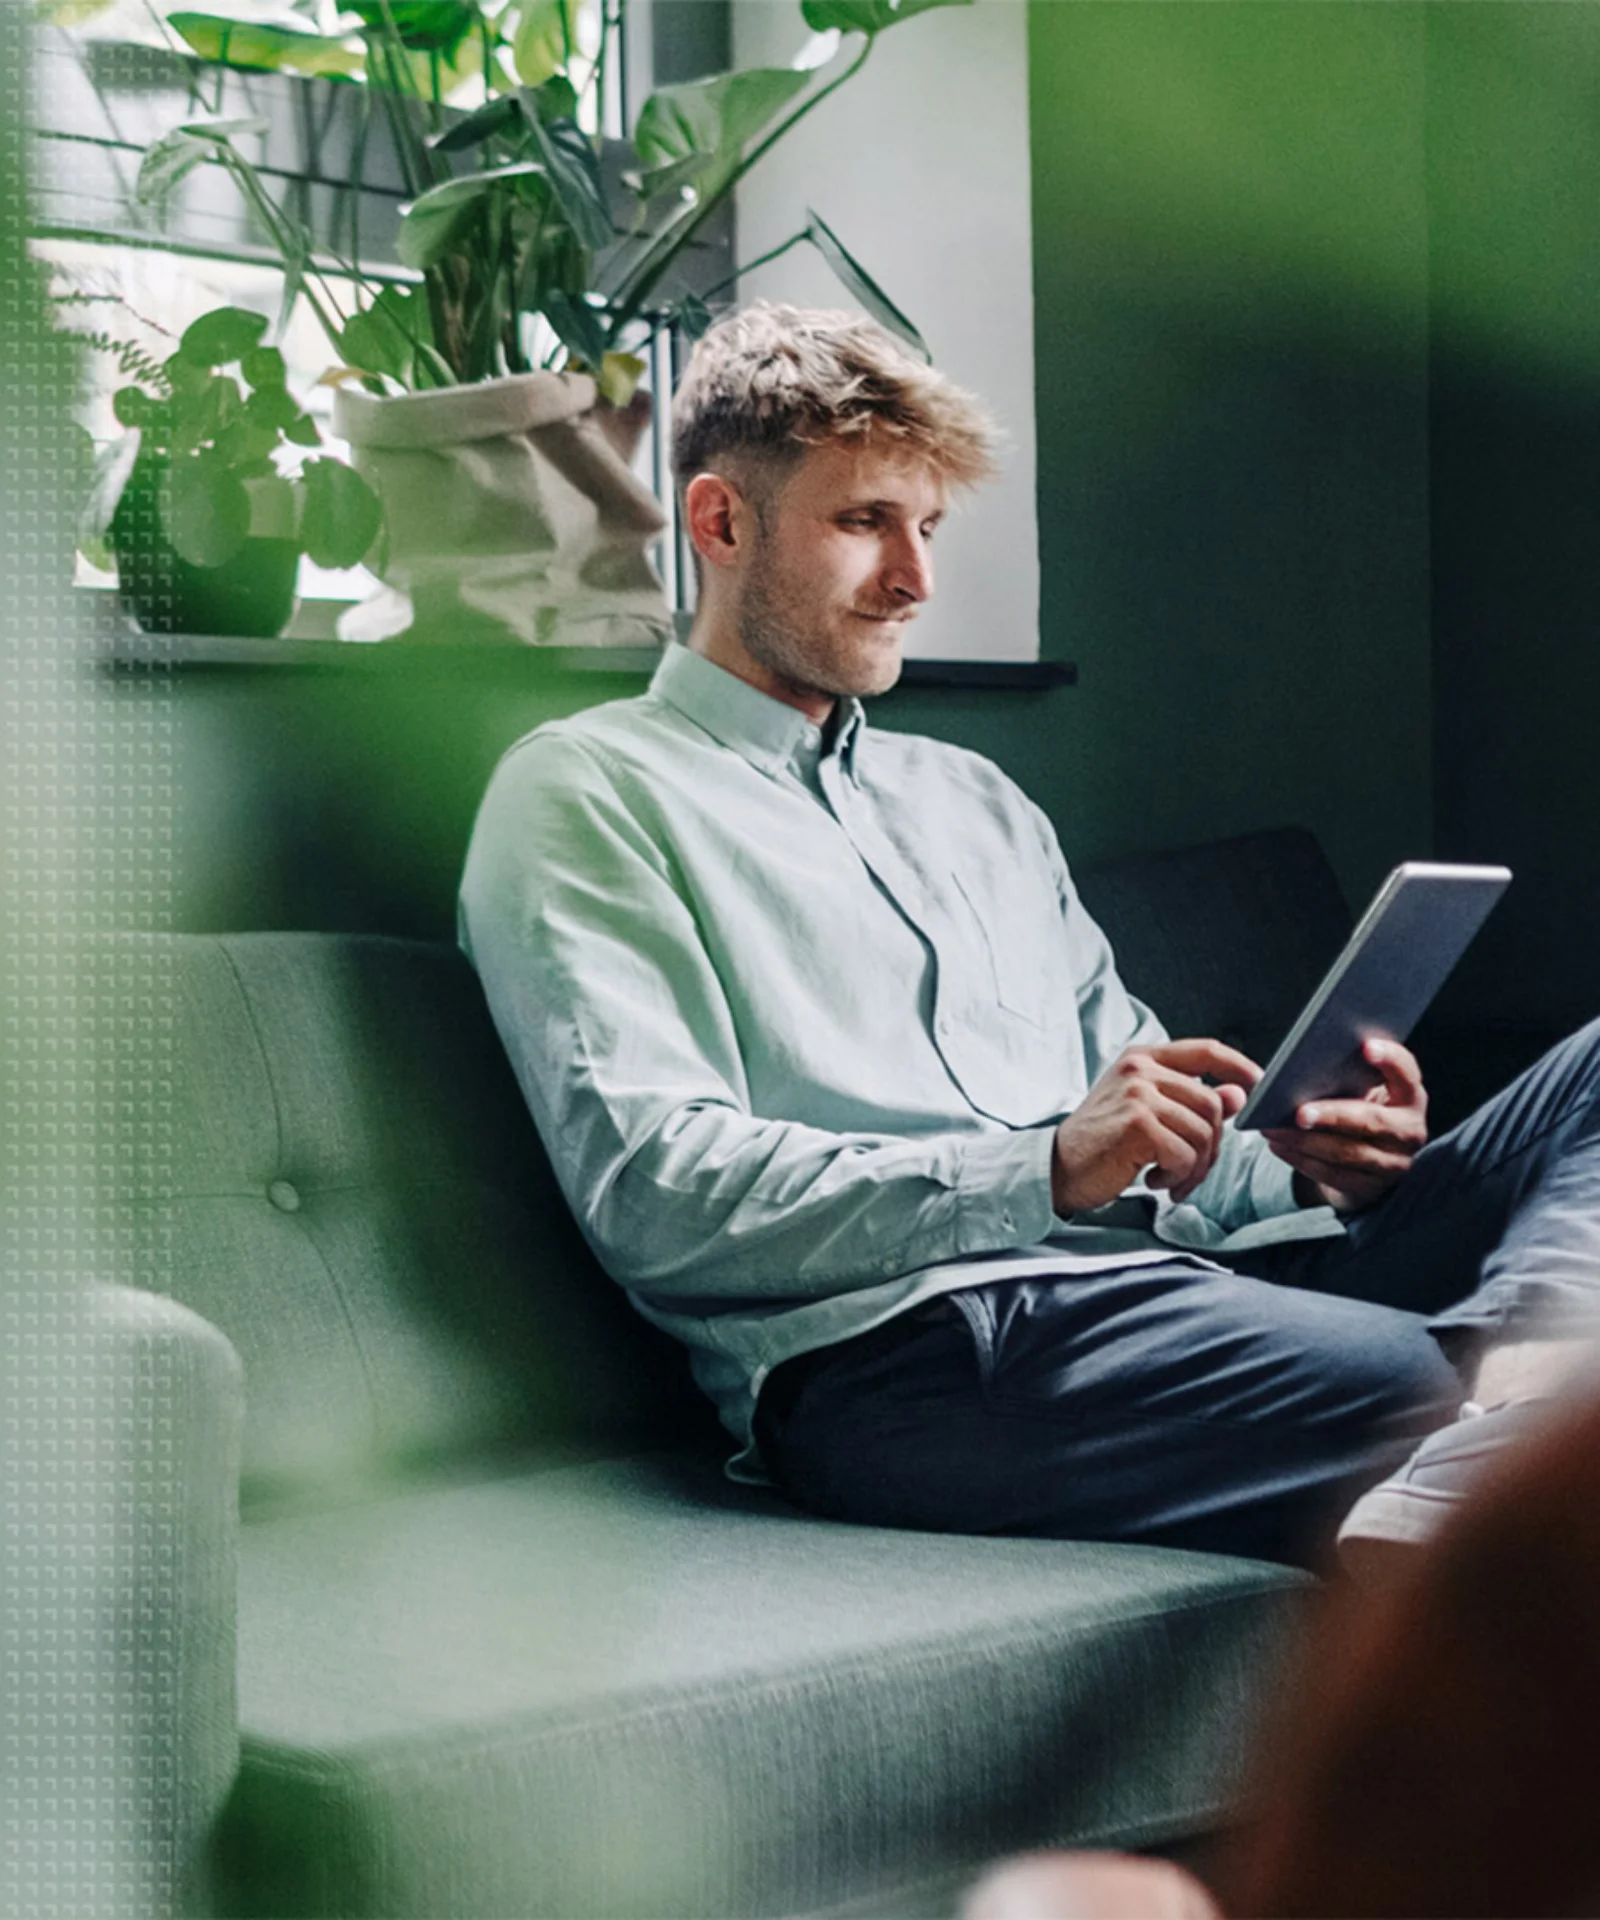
<point>132,406</point>
<point>272,407</point>
<point>341,516</point>
<point>205,511</point>
<point>242,443</point>
<point>222,335</point>
<point>263,367</point>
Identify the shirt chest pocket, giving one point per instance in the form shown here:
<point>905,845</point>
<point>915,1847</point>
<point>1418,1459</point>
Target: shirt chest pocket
<point>1022,950</point>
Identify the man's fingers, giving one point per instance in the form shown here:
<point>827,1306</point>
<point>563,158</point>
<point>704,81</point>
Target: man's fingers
<point>1196,1057</point>
<point>1402,1076</point>
<point>1335,1164</point>
<point>1363,1120</point>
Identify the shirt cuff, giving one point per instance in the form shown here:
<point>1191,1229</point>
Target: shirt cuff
<point>1272,1187</point>
<point>1003,1187</point>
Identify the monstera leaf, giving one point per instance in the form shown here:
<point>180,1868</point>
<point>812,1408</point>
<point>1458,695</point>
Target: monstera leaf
<point>866,16</point>
<point>710,122</point>
<point>244,43</point>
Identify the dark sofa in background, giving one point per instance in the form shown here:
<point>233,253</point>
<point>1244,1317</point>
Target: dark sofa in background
<point>506,1642</point>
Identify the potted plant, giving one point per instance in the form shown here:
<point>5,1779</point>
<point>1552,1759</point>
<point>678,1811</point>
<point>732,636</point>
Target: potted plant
<point>205,527</point>
<point>491,397</point>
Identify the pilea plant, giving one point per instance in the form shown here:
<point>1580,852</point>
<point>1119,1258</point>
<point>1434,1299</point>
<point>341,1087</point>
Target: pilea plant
<point>203,428</point>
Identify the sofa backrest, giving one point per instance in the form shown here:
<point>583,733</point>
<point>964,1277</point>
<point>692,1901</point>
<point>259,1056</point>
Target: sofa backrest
<point>1226,940</point>
<point>351,1189</point>
<point>353,1192</point>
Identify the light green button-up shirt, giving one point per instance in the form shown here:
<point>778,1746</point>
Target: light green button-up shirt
<point>797,1018</point>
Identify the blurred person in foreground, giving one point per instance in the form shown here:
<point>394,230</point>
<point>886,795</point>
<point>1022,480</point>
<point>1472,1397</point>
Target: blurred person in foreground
<point>842,1085</point>
<point>1434,1755</point>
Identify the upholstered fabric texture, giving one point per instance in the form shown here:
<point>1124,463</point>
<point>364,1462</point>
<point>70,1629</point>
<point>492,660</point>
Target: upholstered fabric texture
<point>354,1193</point>
<point>628,1688</point>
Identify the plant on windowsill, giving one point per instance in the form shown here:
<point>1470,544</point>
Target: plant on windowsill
<point>492,400</point>
<point>205,528</point>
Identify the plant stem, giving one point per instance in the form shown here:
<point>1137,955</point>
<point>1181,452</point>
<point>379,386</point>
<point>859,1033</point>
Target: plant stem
<point>655,262</point>
<point>772,253</point>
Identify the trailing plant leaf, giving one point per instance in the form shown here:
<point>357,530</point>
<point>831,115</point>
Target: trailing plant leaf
<point>866,16</point>
<point>434,220</point>
<point>223,335</point>
<point>861,283</point>
<point>303,431</point>
<point>693,315</point>
<point>341,514</point>
<point>166,163</point>
<point>479,125</point>
<point>577,327</point>
<point>205,511</point>
<point>575,175</point>
<point>260,48</point>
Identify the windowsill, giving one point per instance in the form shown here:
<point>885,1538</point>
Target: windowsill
<point>310,642</point>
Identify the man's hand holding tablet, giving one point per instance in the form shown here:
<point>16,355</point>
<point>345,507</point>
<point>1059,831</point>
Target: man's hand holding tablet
<point>1349,1153</point>
<point>1342,1100</point>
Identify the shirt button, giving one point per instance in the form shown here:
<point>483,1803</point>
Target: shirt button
<point>284,1196</point>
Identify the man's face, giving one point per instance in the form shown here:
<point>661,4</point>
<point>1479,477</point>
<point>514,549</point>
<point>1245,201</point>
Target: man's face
<point>838,569</point>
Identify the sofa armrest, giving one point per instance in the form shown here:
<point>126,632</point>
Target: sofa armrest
<point>167,1419</point>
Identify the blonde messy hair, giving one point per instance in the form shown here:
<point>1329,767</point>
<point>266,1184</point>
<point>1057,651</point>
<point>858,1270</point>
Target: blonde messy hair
<point>770,381</point>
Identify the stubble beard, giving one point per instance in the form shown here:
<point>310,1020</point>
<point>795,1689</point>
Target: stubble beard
<point>772,636</point>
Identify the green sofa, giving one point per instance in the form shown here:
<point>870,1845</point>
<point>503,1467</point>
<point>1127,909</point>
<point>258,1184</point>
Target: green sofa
<point>463,1619</point>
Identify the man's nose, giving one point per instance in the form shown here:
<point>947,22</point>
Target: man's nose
<point>909,572</point>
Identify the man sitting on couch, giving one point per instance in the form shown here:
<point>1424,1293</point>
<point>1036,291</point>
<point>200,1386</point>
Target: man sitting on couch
<point>840,1081</point>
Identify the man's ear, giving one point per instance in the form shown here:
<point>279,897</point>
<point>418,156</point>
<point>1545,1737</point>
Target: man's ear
<point>718,518</point>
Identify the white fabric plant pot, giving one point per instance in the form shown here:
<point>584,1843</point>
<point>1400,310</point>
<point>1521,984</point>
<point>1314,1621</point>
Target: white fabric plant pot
<point>511,513</point>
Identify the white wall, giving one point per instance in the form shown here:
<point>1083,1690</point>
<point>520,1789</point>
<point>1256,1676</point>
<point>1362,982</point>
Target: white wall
<point>920,166</point>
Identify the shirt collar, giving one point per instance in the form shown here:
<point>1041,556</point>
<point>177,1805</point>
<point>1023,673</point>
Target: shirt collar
<point>764,731</point>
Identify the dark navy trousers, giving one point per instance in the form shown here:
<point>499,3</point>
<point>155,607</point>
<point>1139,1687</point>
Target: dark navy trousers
<point>1240,1412</point>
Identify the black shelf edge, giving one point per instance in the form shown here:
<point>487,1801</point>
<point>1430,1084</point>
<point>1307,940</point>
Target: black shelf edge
<point>1025,675</point>
<point>130,648</point>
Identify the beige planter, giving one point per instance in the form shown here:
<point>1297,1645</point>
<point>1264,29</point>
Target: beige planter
<point>511,514</point>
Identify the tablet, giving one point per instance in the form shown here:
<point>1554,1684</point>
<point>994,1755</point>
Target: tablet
<point>1400,955</point>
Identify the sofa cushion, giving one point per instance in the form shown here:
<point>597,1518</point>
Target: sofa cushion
<point>353,1192</point>
<point>628,1688</point>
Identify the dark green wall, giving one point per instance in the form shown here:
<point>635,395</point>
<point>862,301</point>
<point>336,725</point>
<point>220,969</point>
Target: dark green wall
<point>1230,260</point>
<point>1514,190</point>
